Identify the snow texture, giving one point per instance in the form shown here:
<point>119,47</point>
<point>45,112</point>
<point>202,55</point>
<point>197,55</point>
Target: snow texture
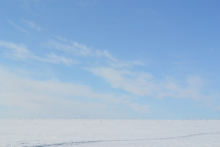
<point>109,133</point>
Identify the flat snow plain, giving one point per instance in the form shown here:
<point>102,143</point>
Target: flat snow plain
<point>109,133</point>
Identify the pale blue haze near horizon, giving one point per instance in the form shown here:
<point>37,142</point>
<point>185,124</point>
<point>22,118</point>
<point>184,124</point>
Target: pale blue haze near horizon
<point>110,59</point>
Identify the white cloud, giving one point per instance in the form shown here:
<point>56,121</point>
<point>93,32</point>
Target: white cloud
<point>140,84</point>
<point>20,51</point>
<point>115,62</point>
<point>193,89</point>
<point>73,47</point>
<point>16,51</point>
<point>129,64</point>
<point>60,38</point>
<point>106,54</point>
<point>17,27</point>
<point>144,84</point>
<point>77,49</point>
<point>55,97</point>
<point>53,58</point>
<point>32,25</point>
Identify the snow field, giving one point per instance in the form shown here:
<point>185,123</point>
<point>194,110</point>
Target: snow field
<point>108,133</point>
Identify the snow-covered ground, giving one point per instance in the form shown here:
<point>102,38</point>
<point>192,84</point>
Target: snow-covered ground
<point>110,133</point>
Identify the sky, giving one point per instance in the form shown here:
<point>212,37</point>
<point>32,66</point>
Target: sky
<point>110,59</point>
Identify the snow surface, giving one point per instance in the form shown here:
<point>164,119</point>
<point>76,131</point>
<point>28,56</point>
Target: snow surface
<point>110,133</point>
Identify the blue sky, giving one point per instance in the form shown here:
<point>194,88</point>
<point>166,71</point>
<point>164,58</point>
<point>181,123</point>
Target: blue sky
<point>109,59</point>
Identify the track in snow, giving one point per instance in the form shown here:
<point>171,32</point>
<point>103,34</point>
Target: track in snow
<point>100,141</point>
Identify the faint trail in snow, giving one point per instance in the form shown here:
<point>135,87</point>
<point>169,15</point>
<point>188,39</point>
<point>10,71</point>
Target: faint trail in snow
<point>100,141</point>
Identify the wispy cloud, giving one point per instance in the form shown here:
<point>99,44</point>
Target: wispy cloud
<point>32,25</point>
<point>144,84</point>
<point>60,38</point>
<point>105,54</point>
<point>58,97</point>
<point>140,84</point>
<point>16,50</point>
<point>120,64</point>
<point>73,48</point>
<point>53,58</point>
<point>76,49</point>
<point>117,63</point>
<point>193,89</point>
<point>17,27</point>
<point>20,51</point>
